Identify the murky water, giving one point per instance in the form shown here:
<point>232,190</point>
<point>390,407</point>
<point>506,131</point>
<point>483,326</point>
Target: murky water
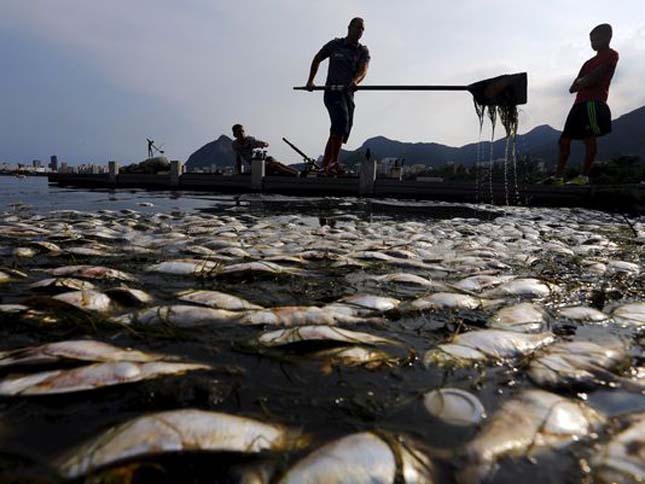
<point>330,249</point>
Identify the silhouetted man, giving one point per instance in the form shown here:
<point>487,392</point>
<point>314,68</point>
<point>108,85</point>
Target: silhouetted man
<point>348,63</point>
<point>244,146</point>
<point>590,116</point>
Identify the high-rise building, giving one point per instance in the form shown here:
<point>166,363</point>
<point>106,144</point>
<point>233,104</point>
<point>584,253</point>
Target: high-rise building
<point>36,163</point>
<point>53,163</point>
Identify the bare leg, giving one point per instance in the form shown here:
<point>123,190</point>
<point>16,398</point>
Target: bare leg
<point>274,167</point>
<point>591,150</point>
<point>327,156</point>
<point>565,151</point>
<point>336,142</point>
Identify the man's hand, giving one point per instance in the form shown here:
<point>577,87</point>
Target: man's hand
<point>575,87</point>
<point>310,86</point>
<point>352,87</point>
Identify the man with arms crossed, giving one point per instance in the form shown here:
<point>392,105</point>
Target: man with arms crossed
<point>590,116</point>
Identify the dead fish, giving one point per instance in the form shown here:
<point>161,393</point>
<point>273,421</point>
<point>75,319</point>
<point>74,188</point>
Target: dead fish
<point>91,272</point>
<point>218,300</point>
<point>25,252</point>
<point>260,268</point>
<point>525,287</point>
<point>186,267</point>
<point>88,300</point>
<point>412,280</point>
<point>301,316</point>
<point>577,364</point>
<point>181,316</point>
<point>622,267</point>
<point>532,422</point>
<point>354,356</point>
<point>487,344</point>
<point>523,317</point>
<point>442,300</point>
<point>583,313</point>
<point>630,314</point>
<point>61,283</point>
<point>362,458</point>
<point>89,377</point>
<point>363,305</point>
<point>47,246</point>
<point>75,350</point>
<point>302,334</point>
<point>126,296</point>
<point>4,277</point>
<point>175,431</point>
<point>481,282</point>
<point>622,460</point>
<point>12,308</point>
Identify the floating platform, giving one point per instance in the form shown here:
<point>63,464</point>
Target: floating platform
<point>629,198</point>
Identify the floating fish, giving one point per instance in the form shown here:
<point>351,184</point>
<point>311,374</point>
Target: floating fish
<point>354,356</point>
<point>481,282</point>
<point>487,344</point>
<point>442,300</point>
<point>61,283</point>
<point>533,288</point>
<point>583,313</point>
<point>129,297</point>
<point>181,316</point>
<point>218,300</point>
<point>575,364</point>
<point>362,458</point>
<point>302,316</point>
<point>363,305</point>
<point>622,460</point>
<point>532,422</point>
<point>89,377</point>
<point>319,333</point>
<point>75,350</point>
<point>4,277</point>
<point>91,272</point>
<point>175,431</point>
<point>523,317</point>
<point>186,267</point>
<point>630,314</point>
<point>88,300</point>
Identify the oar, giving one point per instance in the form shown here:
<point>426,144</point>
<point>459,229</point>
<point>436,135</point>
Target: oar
<point>509,89</point>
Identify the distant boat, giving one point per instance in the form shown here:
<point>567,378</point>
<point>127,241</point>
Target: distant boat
<point>20,175</point>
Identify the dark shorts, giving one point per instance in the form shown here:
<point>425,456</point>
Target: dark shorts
<point>341,113</point>
<point>589,119</point>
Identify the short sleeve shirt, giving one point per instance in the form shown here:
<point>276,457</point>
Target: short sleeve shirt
<point>345,59</point>
<point>600,91</point>
<point>246,147</point>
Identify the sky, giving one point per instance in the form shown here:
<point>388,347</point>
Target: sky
<point>90,80</point>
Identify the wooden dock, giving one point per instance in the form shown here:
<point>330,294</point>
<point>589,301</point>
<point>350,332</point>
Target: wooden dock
<point>626,198</point>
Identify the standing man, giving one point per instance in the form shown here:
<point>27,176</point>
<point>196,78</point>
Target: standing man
<point>590,116</point>
<point>348,63</point>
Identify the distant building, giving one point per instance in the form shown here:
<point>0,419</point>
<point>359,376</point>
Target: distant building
<point>53,163</point>
<point>36,163</point>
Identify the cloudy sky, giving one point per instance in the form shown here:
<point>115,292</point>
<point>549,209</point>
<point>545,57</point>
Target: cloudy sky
<point>90,80</point>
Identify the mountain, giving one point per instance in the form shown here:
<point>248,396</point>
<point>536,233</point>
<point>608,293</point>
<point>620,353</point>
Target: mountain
<point>434,154</point>
<point>219,153</point>
<point>627,138</point>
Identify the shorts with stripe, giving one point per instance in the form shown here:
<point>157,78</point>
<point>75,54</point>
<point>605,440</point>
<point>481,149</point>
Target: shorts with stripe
<point>588,119</point>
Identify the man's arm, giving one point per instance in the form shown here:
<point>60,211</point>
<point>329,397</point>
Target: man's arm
<point>360,75</point>
<point>591,79</point>
<point>313,70</point>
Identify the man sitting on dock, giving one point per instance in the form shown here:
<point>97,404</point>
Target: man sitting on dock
<point>244,147</point>
<point>590,116</point>
<point>348,63</point>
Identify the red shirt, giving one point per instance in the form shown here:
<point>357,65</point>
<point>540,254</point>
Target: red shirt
<point>600,90</point>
